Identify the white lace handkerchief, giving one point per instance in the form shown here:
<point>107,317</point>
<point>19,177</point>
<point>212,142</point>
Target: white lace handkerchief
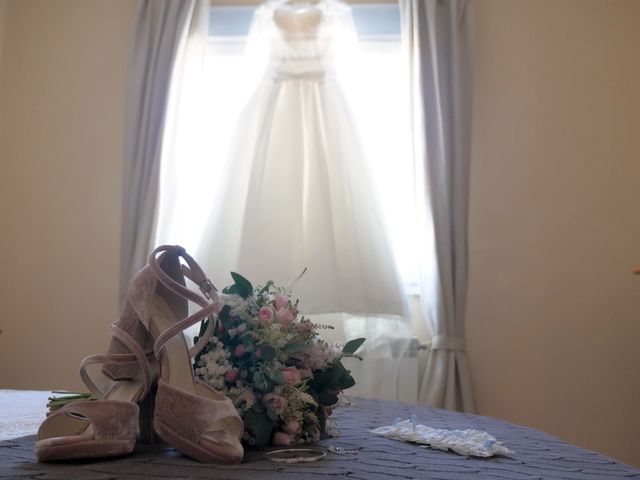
<point>474,443</point>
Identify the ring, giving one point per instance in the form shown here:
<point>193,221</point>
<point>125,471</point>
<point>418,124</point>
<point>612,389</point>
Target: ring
<point>295,455</point>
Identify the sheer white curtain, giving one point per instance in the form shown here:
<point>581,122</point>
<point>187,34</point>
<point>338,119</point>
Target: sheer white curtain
<point>194,190</point>
<point>439,39</point>
<point>160,30</point>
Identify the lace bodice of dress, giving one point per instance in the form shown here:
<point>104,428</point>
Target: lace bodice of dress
<point>302,37</point>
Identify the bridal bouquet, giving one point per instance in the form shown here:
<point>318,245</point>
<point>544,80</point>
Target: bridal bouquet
<point>269,360</point>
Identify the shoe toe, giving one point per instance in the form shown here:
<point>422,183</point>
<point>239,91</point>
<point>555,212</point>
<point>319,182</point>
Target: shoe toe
<point>223,445</point>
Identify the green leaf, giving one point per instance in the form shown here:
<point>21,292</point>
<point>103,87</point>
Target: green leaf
<point>203,328</point>
<point>224,313</point>
<point>352,345</point>
<point>260,381</point>
<point>276,376</point>
<point>235,290</point>
<point>243,286</point>
<point>328,378</point>
<point>294,347</point>
<point>267,353</point>
<point>345,381</point>
<point>260,426</point>
<point>327,398</point>
<point>272,414</point>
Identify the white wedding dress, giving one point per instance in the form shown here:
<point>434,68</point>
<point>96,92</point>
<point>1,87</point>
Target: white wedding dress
<point>297,192</point>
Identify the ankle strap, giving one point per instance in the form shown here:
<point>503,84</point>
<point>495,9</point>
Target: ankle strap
<point>210,301</point>
<point>192,271</point>
<point>137,354</point>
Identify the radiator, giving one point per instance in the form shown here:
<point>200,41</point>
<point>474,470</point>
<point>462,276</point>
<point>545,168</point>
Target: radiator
<point>379,378</point>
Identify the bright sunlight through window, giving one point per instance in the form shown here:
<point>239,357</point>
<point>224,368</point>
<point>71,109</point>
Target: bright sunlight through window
<point>377,92</point>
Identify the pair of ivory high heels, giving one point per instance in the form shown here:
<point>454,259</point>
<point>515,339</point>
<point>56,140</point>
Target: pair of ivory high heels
<point>148,354</point>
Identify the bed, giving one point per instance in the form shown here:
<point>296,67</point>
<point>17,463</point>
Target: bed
<point>537,455</point>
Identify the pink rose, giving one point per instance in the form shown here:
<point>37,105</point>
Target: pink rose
<point>292,427</point>
<point>281,301</point>
<point>282,439</point>
<point>276,401</point>
<point>265,314</point>
<point>240,350</point>
<point>231,375</point>
<point>291,375</point>
<point>284,316</point>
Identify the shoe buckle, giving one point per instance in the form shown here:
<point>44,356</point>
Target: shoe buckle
<point>206,287</point>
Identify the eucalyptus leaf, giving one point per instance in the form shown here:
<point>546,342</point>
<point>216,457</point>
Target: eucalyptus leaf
<point>352,345</point>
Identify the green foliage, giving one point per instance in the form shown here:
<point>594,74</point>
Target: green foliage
<point>267,353</point>
<point>241,287</point>
<point>352,345</point>
<point>261,382</point>
<point>295,347</point>
<point>276,376</point>
<point>260,425</point>
<point>327,398</point>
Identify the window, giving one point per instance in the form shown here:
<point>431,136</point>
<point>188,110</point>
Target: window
<point>378,95</point>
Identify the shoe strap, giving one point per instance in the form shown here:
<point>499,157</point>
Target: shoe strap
<point>137,354</point>
<point>210,301</point>
<point>192,271</point>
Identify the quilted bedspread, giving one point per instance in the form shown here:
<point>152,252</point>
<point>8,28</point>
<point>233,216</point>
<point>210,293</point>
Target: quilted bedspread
<point>536,455</point>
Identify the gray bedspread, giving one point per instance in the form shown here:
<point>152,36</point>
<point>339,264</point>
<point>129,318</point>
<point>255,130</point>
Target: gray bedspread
<point>537,455</point>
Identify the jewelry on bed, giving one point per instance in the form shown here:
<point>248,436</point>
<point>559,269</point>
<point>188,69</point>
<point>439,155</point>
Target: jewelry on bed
<point>341,450</point>
<point>295,455</point>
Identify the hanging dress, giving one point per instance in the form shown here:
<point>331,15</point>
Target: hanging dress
<point>297,191</point>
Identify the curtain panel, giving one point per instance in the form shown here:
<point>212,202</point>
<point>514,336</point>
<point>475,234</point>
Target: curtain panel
<point>438,35</point>
<point>161,26</point>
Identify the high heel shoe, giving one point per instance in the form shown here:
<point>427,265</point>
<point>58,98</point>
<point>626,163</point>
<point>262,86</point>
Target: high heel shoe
<point>189,415</point>
<point>109,425</point>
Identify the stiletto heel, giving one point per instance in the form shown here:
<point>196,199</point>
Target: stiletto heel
<point>189,415</point>
<point>107,426</point>
<point>145,422</point>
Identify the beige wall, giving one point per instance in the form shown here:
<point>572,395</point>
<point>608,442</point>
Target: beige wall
<point>553,310</point>
<point>61,104</point>
<point>3,20</point>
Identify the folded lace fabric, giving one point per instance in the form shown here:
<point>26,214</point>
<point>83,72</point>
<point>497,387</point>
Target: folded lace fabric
<point>474,443</point>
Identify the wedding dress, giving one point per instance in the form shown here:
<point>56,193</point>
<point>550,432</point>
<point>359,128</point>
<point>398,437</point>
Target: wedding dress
<point>297,192</point>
